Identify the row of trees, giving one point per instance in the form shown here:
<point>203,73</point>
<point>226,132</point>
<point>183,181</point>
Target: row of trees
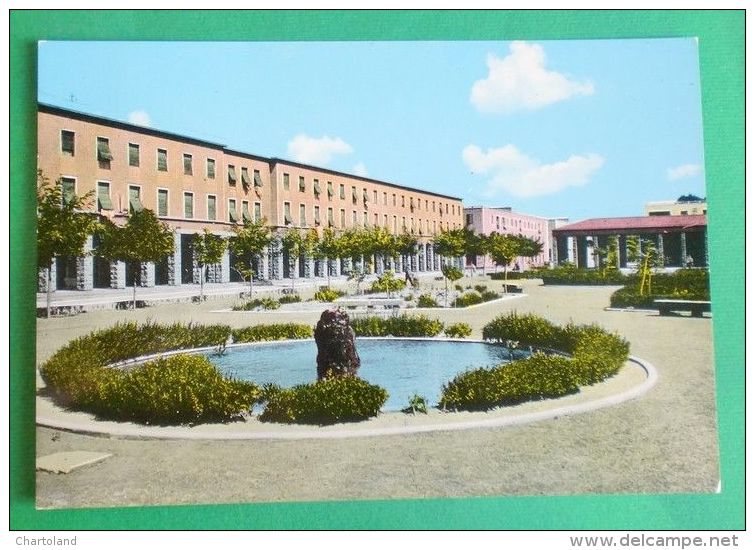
<point>65,223</point>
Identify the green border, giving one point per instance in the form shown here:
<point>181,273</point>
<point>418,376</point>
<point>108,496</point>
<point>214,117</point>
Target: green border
<point>721,41</point>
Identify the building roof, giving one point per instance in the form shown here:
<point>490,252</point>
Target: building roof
<point>638,223</point>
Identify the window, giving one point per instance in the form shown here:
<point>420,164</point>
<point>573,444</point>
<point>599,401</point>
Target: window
<point>446,208</point>
<point>395,224</point>
<point>67,142</point>
<point>233,216</point>
<point>385,220</point>
<point>245,181</point>
<point>103,196</point>
<point>330,217</point>
<point>188,205</point>
<point>364,219</point>
<point>375,222</point>
<point>316,189</point>
<point>68,186</point>
<point>135,199</point>
<point>212,207</point>
<point>286,182</point>
<point>353,218</point>
<point>257,179</point>
<point>403,201</point>
<point>133,154</point>
<point>162,160</point>
<point>302,215</point>
<point>188,169</point>
<point>257,212</point>
<point>394,199</point>
<point>330,190</point>
<point>302,185</point>
<point>246,216</point>
<point>341,191</point>
<point>427,226</point>
<point>435,228</point>
<point>403,223</point>
<point>317,215</point>
<point>211,169</point>
<point>162,202</point>
<point>343,218</point>
<point>354,196</point>
<point>104,156</point>
<point>385,199</point>
<point>469,219</point>
<point>375,197</point>
<point>427,205</point>
<point>231,175</point>
<point>287,213</point>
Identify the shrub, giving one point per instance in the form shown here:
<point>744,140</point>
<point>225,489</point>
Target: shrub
<point>289,299</point>
<point>342,399</point>
<point>328,294</point>
<point>514,275</point>
<point>480,288</point>
<point>468,299</point>
<point>425,300</point>
<point>569,275</point>
<point>283,331</point>
<point>528,330</point>
<point>387,282</point>
<point>458,330</point>
<point>177,389</point>
<point>684,284</point>
<point>488,295</point>
<point>537,377</point>
<point>417,404</point>
<point>400,325</point>
<point>258,303</point>
<point>459,288</point>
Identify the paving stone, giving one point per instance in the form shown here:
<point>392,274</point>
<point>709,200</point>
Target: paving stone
<point>66,462</point>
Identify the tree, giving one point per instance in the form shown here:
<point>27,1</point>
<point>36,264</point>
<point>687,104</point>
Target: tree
<point>208,250</point>
<point>62,226</point>
<point>475,245</point>
<point>689,198</point>
<point>250,241</point>
<point>503,249</point>
<point>450,273</point>
<point>292,242</point>
<point>449,244</point>
<point>328,247</point>
<point>528,248</point>
<point>143,238</point>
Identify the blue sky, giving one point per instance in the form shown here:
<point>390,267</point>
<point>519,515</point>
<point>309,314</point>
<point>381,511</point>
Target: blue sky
<point>578,129</point>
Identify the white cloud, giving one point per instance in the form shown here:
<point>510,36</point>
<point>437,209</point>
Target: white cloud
<point>309,150</point>
<point>512,171</point>
<point>360,169</point>
<point>139,117</point>
<point>520,81</point>
<point>684,171</point>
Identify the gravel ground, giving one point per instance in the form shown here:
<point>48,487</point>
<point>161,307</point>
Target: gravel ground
<point>663,442</point>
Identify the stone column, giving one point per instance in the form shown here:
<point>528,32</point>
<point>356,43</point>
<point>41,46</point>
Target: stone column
<point>622,250</point>
<point>683,244</point>
<point>174,262</point>
<point>705,247</point>
<point>85,268</point>
<point>264,266</point>
<point>659,247</point>
<point>42,277</point>
<point>147,274</point>
<point>225,267</point>
<point>118,275</point>
<point>276,260</point>
<point>379,265</point>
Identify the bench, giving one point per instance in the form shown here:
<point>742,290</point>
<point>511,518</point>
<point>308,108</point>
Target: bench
<point>695,307</point>
<point>512,289</point>
<point>369,304</point>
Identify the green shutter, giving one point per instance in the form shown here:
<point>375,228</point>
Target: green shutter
<point>317,188</point>
<point>69,189</point>
<point>162,202</point>
<point>188,205</point>
<point>317,216</point>
<point>162,160</point>
<point>103,150</point>
<point>103,197</point>
<point>67,142</point>
<point>211,208</point>
<point>257,179</point>
<point>231,175</point>
<point>245,177</point>
<point>245,212</point>
<point>133,154</point>
<point>187,165</point>
<point>232,212</point>
<point>134,199</point>
<point>257,212</point>
<point>211,169</point>
<point>330,190</point>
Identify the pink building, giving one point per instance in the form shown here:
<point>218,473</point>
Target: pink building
<point>504,220</point>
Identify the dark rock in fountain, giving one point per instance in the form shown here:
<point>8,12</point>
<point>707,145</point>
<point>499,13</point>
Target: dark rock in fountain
<point>336,351</point>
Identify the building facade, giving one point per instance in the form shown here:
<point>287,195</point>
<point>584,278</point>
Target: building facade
<point>679,240</point>
<point>193,185</point>
<point>505,221</point>
<point>676,208</point>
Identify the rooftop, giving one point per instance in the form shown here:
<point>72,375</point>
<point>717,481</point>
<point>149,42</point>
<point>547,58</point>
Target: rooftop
<point>643,223</point>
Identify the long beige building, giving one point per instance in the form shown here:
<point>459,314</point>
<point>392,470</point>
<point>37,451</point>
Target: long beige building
<point>193,184</point>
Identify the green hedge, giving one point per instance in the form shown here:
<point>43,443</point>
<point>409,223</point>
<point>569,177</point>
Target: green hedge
<point>342,399</point>
<point>426,300</point>
<point>582,276</point>
<point>684,284</point>
<point>458,330</point>
<point>328,294</point>
<point>289,299</point>
<point>400,325</point>
<point>258,303</point>
<point>595,356</point>
<point>282,331</point>
<point>170,390</point>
